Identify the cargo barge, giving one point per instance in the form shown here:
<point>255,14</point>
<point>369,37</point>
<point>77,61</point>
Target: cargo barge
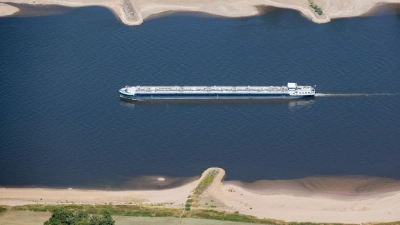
<point>291,91</point>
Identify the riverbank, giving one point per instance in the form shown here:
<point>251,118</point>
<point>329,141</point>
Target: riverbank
<point>343,200</point>
<point>133,12</point>
<point>18,217</point>
<point>6,10</point>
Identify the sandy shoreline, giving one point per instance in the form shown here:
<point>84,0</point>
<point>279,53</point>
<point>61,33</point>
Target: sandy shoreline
<point>345,200</point>
<point>6,10</point>
<point>133,12</point>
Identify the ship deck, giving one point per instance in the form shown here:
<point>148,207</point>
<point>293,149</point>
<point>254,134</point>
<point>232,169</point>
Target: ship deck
<point>217,91</point>
<point>207,89</point>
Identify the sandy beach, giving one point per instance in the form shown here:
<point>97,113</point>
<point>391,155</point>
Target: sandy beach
<point>133,12</point>
<point>6,10</point>
<point>317,199</point>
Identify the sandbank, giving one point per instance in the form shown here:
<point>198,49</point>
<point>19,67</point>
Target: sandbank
<point>6,10</point>
<point>338,199</point>
<point>316,199</point>
<point>133,12</point>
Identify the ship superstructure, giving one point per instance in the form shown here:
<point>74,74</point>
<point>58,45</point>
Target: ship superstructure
<point>292,90</point>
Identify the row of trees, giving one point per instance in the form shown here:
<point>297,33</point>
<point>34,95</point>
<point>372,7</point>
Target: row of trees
<point>67,217</point>
<point>316,8</point>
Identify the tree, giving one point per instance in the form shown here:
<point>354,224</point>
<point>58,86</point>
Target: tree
<point>80,218</point>
<point>62,216</point>
<point>103,219</point>
<point>83,222</point>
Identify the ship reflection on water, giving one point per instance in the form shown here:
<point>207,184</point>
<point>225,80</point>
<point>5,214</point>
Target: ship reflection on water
<point>300,103</point>
<point>292,103</point>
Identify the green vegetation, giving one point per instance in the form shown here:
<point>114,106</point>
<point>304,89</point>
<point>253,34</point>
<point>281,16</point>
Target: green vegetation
<point>67,216</point>
<point>316,8</point>
<point>3,208</point>
<point>64,216</point>
<point>237,217</point>
<point>205,182</point>
<point>222,215</point>
<point>192,199</point>
<point>119,210</point>
<point>158,204</point>
<point>148,211</point>
<point>389,223</point>
<point>187,206</point>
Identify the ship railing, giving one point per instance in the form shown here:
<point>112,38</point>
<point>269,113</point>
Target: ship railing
<point>225,89</point>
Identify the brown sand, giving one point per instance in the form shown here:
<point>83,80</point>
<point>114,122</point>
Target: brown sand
<point>6,10</point>
<point>133,12</point>
<point>383,9</point>
<point>174,197</point>
<point>345,185</point>
<point>155,182</point>
<point>315,199</point>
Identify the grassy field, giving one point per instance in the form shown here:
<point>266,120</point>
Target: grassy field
<point>201,187</point>
<point>23,217</point>
<point>129,214</point>
<point>37,218</point>
<point>148,211</point>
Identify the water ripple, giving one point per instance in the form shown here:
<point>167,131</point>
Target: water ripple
<point>64,125</point>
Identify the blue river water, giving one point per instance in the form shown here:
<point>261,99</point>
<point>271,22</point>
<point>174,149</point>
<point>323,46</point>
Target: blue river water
<point>63,124</point>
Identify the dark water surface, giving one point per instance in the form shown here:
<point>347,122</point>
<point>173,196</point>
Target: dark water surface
<point>62,123</point>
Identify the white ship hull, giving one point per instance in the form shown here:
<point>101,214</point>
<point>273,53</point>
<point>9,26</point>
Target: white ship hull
<point>292,91</point>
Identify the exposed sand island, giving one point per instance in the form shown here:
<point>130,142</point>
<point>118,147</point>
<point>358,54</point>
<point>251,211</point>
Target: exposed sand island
<point>336,199</point>
<point>6,10</point>
<point>133,12</point>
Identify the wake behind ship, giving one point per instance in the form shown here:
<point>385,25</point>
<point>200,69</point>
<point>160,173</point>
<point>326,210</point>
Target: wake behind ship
<point>291,91</point>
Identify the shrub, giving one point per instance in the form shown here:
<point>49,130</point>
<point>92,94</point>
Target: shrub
<point>316,8</point>
<point>64,216</point>
<point>3,209</point>
<point>205,182</point>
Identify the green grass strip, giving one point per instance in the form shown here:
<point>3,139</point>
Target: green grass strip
<point>148,211</point>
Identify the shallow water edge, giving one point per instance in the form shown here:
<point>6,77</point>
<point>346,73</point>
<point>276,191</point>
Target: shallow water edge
<point>124,12</point>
